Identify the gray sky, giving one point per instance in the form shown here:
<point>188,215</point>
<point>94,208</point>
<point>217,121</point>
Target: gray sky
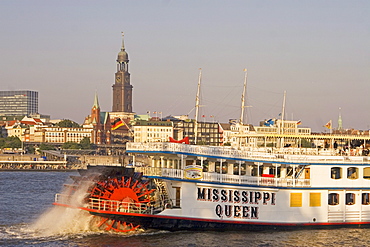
<point>318,51</point>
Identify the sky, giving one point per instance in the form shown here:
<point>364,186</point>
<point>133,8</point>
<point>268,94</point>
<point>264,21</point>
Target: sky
<point>316,51</point>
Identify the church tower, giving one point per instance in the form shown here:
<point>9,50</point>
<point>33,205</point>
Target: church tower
<point>340,122</point>
<point>95,111</point>
<point>122,89</point>
<point>100,123</point>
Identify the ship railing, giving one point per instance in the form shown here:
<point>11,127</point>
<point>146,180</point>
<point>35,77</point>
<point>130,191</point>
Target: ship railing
<point>149,171</point>
<point>70,200</point>
<point>62,198</point>
<point>257,153</point>
<point>226,178</point>
<point>164,172</point>
<point>118,206</point>
<point>253,180</point>
<point>173,173</point>
<point>153,207</point>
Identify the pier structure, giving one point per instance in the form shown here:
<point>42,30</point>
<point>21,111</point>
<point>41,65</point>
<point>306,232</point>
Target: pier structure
<point>37,165</point>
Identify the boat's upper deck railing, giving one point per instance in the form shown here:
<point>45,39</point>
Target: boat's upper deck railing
<point>226,178</point>
<point>311,155</point>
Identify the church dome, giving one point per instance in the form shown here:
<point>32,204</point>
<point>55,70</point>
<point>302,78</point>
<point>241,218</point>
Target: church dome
<point>122,56</point>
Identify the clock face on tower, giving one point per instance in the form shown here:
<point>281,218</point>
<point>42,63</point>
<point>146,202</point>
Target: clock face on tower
<point>118,78</point>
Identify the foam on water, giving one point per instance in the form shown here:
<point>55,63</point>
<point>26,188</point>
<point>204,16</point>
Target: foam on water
<point>63,220</point>
<point>59,224</point>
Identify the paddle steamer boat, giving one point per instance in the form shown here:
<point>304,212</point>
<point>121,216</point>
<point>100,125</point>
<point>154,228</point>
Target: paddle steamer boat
<point>224,187</point>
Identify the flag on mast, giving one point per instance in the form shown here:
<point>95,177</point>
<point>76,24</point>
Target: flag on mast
<point>117,123</point>
<point>328,125</point>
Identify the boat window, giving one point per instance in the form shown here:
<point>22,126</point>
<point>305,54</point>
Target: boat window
<point>365,199</point>
<point>274,172</point>
<point>189,162</point>
<point>336,173</point>
<point>350,198</point>
<point>224,167</point>
<point>236,169</point>
<point>254,171</point>
<point>217,166</point>
<point>243,167</point>
<point>333,199</point>
<point>261,170</point>
<point>352,173</point>
<point>367,173</point>
<point>205,166</point>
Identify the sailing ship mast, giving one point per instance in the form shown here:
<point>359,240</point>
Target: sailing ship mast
<point>197,107</point>
<point>243,98</point>
<point>282,120</point>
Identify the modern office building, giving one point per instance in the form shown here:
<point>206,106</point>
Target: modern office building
<point>18,103</point>
<point>208,133</point>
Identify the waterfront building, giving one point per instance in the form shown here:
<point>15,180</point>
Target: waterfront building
<point>273,129</point>
<point>277,126</point>
<point>34,130</point>
<point>59,134</point>
<point>231,130</point>
<point>208,133</point>
<point>23,129</point>
<point>17,130</point>
<point>18,103</point>
<point>152,131</point>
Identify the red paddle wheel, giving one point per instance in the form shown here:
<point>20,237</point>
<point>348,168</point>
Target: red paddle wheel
<point>115,225</point>
<point>120,194</point>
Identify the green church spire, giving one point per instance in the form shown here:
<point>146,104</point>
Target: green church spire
<point>96,101</point>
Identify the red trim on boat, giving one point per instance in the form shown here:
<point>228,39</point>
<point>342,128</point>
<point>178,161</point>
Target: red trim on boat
<point>213,220</point>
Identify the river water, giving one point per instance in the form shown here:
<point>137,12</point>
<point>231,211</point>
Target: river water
<point>27,218</point>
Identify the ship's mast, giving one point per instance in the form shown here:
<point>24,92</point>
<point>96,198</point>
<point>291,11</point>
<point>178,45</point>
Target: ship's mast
<point>243,98</point>
<point>282,120</point>
<point>197,107</point>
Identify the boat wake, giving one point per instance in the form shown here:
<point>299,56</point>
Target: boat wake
<point>61,221</point>
<point>57,224</point>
